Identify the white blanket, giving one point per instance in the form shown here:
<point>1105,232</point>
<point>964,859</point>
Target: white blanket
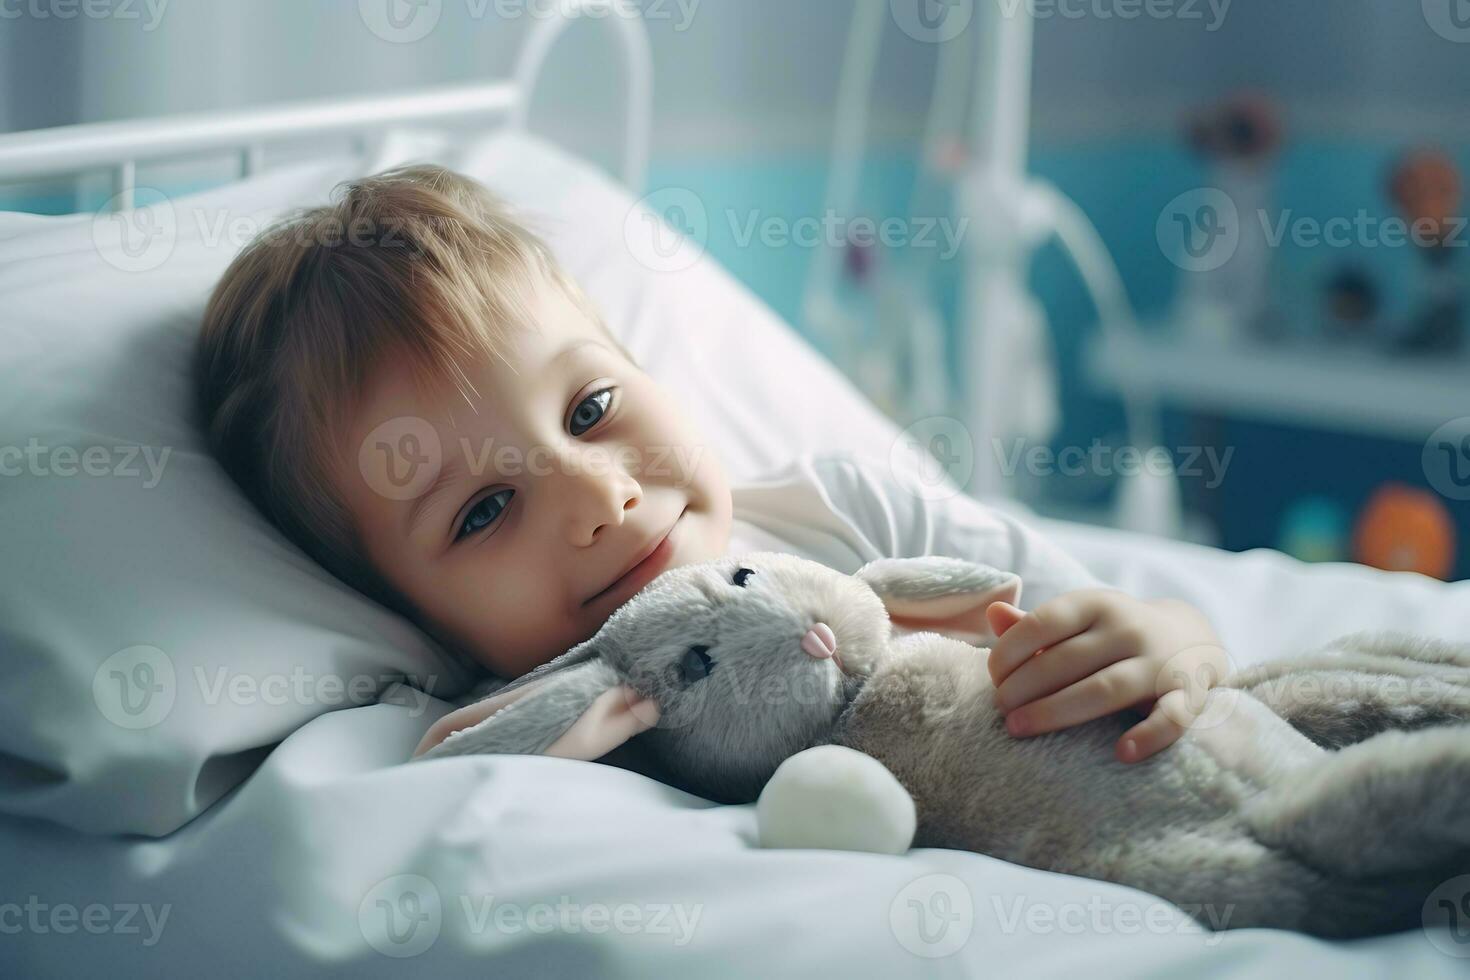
<point>336,856</point>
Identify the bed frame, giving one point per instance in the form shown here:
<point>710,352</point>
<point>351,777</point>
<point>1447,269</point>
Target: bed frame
<point>119,146</point>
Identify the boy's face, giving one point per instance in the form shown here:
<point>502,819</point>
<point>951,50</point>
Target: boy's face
<point>507,524</point>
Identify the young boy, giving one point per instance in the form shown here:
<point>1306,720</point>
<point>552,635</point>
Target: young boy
<point>410,387</point>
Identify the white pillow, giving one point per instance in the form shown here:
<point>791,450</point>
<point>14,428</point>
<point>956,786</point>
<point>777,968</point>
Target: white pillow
<point>158,635</point>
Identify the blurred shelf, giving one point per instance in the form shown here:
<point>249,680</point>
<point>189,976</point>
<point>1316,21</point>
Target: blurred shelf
<point>1350,390</point>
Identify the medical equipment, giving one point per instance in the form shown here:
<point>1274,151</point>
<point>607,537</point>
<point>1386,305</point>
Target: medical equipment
<point>119,146</point>
<point>1006,373</point>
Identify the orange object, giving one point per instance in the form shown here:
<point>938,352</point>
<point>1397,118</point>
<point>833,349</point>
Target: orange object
<point>1425,184</point>
<point>1404,529</point>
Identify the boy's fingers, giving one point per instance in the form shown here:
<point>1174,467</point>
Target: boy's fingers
<point>1194,670</point>
<point>1048,625</point>
<point>1064,664</point>
<point>1111,689</point>
<point>1156,732</point>
<point>1002,616</point>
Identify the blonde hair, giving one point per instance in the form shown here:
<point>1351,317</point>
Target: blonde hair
<point>419,262</point>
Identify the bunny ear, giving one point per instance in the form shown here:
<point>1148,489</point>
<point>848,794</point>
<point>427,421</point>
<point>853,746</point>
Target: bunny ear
<point>573,708</point>
<point>939,593</point>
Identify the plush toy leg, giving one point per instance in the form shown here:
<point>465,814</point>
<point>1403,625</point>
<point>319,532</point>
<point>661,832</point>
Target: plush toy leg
<point>836,798</point>
<point>1363,685</point>
<point>1230,882</point>
<point>1395,803</point>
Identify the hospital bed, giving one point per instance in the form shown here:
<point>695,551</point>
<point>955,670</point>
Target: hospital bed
<point>204,736</point>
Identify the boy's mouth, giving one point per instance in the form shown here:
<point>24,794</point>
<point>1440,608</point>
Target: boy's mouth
<point>650,559</point>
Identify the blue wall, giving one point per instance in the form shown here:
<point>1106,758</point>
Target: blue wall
<point>1123,186</point>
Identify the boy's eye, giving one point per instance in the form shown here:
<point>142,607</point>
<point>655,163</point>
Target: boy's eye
<point>484,513</point>
<point>696,664</point>
<point>590,411</point>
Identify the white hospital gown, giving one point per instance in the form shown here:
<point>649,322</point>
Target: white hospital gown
<point>844,510</point>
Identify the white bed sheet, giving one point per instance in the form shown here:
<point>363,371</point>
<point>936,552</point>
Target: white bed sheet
<point>290,870</point>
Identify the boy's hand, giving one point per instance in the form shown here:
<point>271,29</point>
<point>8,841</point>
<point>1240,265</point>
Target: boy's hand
<point>1102,651</point>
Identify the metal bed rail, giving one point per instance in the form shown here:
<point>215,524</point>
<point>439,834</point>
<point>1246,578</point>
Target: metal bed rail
<point>120,146</point>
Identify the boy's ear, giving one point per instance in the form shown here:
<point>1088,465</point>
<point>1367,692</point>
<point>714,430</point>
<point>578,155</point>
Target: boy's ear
<point>942,594</point>
<point>576,711</point>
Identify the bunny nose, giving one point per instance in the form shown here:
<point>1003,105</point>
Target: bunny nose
<point>820,641</point>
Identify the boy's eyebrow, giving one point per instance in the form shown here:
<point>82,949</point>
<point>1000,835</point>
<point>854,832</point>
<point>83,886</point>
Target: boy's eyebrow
<point>452,471</point>
<point>577,344</point>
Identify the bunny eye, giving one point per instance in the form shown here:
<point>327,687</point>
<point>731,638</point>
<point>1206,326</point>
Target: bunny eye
<point>696,665</point>
<point>741,574</point>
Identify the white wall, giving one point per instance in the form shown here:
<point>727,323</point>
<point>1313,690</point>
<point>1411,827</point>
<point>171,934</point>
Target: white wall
<point>746,74</point>
<point>740,71</point>
<point>1343,67</point>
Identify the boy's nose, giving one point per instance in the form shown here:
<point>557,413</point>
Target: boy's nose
<point>595,501</point>
<point>820,642</point>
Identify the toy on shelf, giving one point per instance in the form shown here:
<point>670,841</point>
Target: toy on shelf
<point>1245,128</point>
<point>1352,304</point>
<point>1404,529</point>
<point>1315,529</point>
<point>1238,139</point>
<point>1425,186</point>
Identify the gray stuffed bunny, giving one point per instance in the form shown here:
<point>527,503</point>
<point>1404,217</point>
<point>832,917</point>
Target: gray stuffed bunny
<point>1266,810</point>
